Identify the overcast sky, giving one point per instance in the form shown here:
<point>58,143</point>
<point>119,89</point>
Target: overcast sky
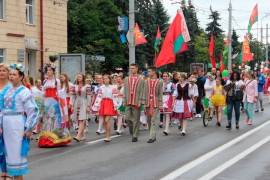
<point>241,13</point>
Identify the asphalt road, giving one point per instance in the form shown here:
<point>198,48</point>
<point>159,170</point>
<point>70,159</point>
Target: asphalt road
<point>204,153</point>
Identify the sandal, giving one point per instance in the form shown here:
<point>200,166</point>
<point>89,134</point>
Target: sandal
<point>76,139</point>
<point>5,177</point>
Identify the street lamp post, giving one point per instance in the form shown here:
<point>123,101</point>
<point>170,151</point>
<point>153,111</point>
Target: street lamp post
<point>131,32</point>
<point>266,42</point>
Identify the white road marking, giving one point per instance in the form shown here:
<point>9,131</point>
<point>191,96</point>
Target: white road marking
<point>99,140</point>
<point>232,161</point>
<point>210,154</point>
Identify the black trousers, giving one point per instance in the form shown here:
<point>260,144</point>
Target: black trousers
<point>199,105</point>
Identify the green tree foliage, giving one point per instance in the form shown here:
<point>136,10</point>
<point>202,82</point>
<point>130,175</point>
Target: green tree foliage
<point>91,21</point>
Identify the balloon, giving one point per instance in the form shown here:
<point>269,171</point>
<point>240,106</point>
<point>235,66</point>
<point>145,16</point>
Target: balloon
<point>268,62</point>
<point>266,68</point>
<point>248,67</point>
<point>225,73</point>
<point>261,66</point>
<point>256,65</point>
<point>255,68</point>
<point>239,67</point>
<point>262,62</point>
<point>243,65</point>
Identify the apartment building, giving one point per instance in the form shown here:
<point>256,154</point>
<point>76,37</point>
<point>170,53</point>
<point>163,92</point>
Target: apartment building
<point>31,30</point>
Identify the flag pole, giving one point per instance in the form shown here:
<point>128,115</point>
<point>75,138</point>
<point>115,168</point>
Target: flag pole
<point>131,32</point>
<point>230,38</point>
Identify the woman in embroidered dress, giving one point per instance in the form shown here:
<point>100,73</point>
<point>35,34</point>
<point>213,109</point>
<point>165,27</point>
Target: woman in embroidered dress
<point>168,89</point>
<point>182,102</point>
<point>106,104</point>
<point>101,129</point>
<point>175,80</point>
<point>37,94</point>
<point>65,88</point>
<point>218,99</point>
<point>4,73</point>
<point>80,104</point>
<point>17,129</point>
<point>54,131</point>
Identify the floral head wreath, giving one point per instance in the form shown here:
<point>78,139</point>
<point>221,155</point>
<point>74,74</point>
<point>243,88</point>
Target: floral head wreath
<point>114,75</point>
<point>16,66</point>
<point>51,65</point>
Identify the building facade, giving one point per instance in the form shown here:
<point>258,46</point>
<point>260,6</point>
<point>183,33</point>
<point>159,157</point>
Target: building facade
<point>31,30</point>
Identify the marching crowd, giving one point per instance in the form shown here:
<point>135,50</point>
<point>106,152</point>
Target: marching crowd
<point>50,108</point>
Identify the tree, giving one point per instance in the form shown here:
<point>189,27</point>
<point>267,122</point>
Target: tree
<point>214,26</point>
<point>235,43</point>
<point>91,21</point>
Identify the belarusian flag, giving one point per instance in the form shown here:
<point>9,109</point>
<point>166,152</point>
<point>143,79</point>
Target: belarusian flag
<point>157,41</point>
<point>225,53</point>
<point>175,41</point>
<point>253,18</point>
<point>246,54</point>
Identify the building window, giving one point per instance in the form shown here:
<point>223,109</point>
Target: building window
<point>2,9</point>
<point>29,11</point>
<point>2,55</point>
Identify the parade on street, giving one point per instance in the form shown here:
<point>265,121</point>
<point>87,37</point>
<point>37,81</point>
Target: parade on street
<point>134,89</point>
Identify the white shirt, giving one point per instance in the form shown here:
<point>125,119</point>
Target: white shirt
<point>190,90</point>
<point>107,91</point>
<point>208,87</point>
<point>237,84</point>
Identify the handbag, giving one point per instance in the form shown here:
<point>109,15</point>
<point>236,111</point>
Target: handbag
<point>239,95</point>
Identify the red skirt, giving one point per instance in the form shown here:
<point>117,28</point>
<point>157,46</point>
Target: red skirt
<point>51,93</point>
<point>107,108</point>
<point>68,105</point>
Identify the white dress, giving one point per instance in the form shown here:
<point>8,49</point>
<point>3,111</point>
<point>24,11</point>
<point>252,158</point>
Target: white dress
<point>80,99</point>
<point>14,102</point>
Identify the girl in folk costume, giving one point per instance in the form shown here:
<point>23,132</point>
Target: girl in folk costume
<point>80,104</point>
<point>106,104</point>
<point>183,102</point>
<point>168,89</point>
<point>99,80</point>
<point>4,73</point>
<point>38,96</point>
<point>65,88</point>
<point>192,80</point>
<point>121,108</point>
<point>54,131</point>
<point>16,128</point>
<point>218,99</point>
<point>175,80</point>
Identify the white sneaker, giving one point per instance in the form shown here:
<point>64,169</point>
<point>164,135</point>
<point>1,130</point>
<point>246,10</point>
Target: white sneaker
<point>103,132</point>
<point>191,119</point>
<point>199,115</point>
<point>85,130</point>
<point>175,122</point>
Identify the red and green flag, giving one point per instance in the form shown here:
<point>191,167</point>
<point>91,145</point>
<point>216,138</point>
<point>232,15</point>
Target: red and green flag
<point>253,18</point>
<point>175,41</point>
<point>221,66</point>
<point>226,53</point>
<point>157,43</point>
<point>138,36</point>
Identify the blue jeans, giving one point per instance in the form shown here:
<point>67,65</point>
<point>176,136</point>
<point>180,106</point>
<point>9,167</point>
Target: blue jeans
<point>236,105</point>
<point>249,109</point>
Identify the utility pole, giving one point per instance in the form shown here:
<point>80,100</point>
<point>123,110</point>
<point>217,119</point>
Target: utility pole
<point>230,38</point>
<point>131,32</point>
<point>266,55</point>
